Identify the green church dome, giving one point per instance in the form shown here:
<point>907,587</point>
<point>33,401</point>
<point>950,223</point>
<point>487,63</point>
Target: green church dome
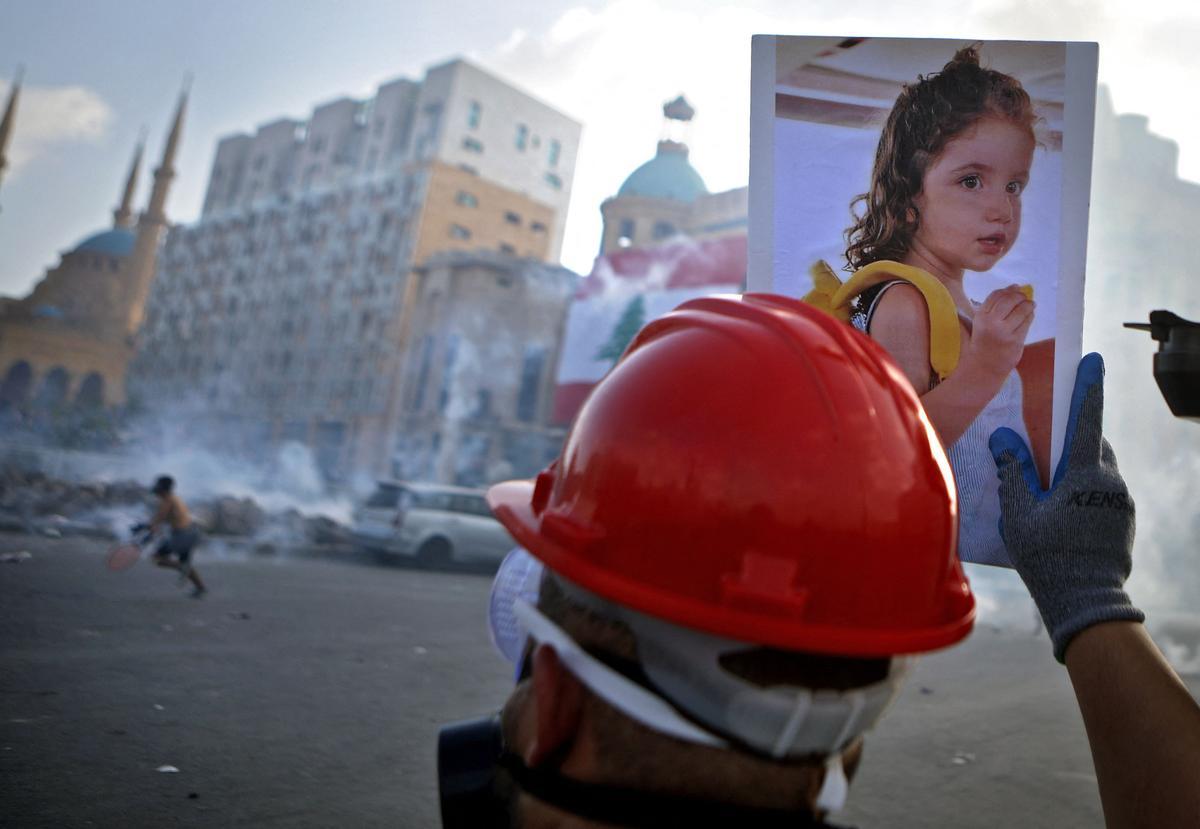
<point>666,176</point>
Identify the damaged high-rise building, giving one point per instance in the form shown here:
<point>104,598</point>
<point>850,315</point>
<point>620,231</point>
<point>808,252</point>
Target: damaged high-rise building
<point>286,312</point>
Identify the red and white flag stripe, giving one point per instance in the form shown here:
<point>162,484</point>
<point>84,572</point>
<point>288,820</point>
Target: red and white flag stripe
<point>663,276</point>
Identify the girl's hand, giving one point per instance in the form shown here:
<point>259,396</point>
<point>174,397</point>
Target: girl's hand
<point>998,331</point>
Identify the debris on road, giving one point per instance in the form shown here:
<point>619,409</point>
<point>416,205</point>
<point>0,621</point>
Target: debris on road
<point>32,502</point>
<point>16,557</point>
<point>167,770</point>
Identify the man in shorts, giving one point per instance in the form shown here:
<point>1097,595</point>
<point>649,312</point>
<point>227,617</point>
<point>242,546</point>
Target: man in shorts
<point>176,549</point>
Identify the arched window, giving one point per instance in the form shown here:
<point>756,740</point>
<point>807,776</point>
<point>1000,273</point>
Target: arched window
<point>625,235</point>
<point>18,381</point>
<point>53,390</point>
<point>91,391</point>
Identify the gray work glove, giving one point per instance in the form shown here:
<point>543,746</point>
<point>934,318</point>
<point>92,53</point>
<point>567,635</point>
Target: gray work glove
<point>1070,544</point>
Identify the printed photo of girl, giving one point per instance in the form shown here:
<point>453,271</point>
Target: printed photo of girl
<point>919,265</point>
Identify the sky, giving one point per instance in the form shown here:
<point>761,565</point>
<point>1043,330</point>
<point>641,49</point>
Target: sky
<point>97,73</point>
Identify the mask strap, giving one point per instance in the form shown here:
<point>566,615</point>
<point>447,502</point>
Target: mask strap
<point>788,734</point>
<point>858,701</point>
<point>626,807</point>
<point>835,787</point>
<point>618,691</point>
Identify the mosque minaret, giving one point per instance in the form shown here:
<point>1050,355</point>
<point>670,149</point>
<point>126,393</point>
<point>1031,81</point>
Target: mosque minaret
<point>8,120</point>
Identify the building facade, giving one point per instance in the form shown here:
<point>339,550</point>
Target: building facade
<point>283,313</point>
<point>70,341</point>
<point>477,387</point>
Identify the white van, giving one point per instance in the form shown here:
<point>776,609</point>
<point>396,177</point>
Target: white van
<point>435,523</point>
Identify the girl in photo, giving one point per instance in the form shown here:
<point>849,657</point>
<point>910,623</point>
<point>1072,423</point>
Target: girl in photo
<point>952,163</point>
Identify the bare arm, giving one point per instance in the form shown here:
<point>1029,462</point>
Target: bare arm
<point>1072,546</point>
<point>901,325</point>
<point>1142,724</point>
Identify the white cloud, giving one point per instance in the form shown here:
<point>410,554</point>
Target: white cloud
<point>47,116</point>
<point>574,24</point>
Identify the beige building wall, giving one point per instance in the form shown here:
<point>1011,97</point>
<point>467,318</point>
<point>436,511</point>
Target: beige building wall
<point>47,346</point>
<point>463,211</point>
<point>720,214</point>
<point>637,221</point>
<point>72,319</point>
<point>86,288</point>
<point>655,220</point>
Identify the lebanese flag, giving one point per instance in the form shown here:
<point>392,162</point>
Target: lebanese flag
<point>627,289</point>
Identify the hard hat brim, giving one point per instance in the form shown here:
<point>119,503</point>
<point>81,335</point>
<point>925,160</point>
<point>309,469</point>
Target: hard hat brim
<point>512,504</point>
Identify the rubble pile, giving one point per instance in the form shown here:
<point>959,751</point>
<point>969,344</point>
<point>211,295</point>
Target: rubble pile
<point>32,493</point>
<point>33,502</point>
<point>227,515</point>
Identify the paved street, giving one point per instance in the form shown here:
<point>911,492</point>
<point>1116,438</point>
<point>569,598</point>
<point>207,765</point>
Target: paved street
<point>297,693</point>
<point>305,692</point>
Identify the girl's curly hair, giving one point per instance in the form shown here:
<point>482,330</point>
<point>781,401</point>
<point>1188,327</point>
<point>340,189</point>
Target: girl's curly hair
<point>926,115</point>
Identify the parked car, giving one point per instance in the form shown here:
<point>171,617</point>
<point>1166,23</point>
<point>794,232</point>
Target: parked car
<point>436,524</point>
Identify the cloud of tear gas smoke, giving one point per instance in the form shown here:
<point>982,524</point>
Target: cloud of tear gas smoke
<point>614,288</point>
<point>1143,221</point>
<point>287,479</point>
<point>1002,602</point>
<point>460,385</point>
<point>1166,564</point>
<point>210,460</point>
<point>1178,635</point>
<point>483,381</point>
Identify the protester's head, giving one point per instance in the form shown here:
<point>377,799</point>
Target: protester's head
<point>750,526</point>
<point>163,486</point>
<point>929,115</point>
<point>742,697</point>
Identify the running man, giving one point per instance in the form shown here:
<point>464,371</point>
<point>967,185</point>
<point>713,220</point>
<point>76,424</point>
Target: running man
<point>176,549</point>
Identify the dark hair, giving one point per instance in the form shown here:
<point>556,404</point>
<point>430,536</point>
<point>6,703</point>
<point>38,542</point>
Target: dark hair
<point>163,484</point>
<point>925,117</point>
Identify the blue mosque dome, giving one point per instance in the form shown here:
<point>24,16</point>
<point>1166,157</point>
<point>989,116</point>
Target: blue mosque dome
<point>115,242</point>
<point>668,175</point>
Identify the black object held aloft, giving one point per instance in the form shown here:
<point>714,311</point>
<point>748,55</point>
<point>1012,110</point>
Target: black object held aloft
<point>1177,363</point>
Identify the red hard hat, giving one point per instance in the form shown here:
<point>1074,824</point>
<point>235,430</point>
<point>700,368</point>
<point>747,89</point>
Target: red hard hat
<point>757,470</point>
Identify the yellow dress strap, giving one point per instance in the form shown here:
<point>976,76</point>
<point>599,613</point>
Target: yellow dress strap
<point>833,296</point>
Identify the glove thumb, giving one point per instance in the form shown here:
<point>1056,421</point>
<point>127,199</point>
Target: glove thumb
<point>1014,465</point>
